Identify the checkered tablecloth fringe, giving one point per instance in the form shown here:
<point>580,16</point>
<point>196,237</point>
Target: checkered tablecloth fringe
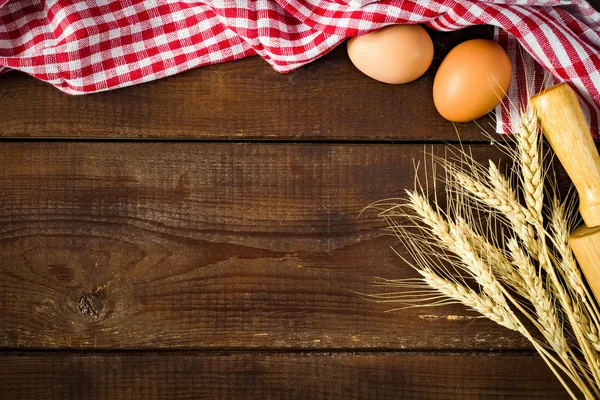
<point>90,46</point>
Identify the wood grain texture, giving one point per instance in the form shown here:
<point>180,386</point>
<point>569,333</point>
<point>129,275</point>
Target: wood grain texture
<point>246,99</point>
<point>178,376</point>
<point>160,245</point>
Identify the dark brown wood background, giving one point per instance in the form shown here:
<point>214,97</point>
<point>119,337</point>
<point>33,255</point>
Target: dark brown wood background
<point>200,237</point>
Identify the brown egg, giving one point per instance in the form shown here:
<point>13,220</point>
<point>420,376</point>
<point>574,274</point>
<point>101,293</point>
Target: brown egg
<point>472,80</point>
<point>394,54</point>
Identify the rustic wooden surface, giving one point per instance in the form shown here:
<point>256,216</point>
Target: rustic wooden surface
<point>224,266</point>
<point>310,376</point>
<point>211,245</point>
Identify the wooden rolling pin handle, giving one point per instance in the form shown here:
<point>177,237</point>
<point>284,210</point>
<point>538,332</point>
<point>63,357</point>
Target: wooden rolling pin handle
<point>563,123</point>
<point>584,242</point>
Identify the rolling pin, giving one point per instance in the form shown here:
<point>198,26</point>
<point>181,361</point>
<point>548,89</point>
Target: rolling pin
<point>562,121</point>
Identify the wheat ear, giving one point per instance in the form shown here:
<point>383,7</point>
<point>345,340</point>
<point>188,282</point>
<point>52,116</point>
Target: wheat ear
<point>536,264</point>
<point>529,145</point>
<point>492,303</point>
<point>499,262</point>
<point>547,315</point>
<point>482,303</point>
<point>560,228</point>
<point>498,197</point>
<point>531,168</point>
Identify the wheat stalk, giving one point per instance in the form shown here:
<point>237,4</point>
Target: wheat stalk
<point>560,228</point>
<point>533,188</point>
<point>542,301</point>
<point>533,274</point>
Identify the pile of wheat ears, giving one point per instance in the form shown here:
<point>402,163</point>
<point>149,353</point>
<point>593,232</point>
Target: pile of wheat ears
<point>497,243</point>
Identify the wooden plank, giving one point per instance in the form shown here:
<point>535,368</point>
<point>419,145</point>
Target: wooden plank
<point>210,245</point>
<point>276,376</point>
<point>246,99</point>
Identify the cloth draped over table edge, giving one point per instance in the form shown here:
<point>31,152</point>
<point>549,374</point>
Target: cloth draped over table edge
<point>85,47</point>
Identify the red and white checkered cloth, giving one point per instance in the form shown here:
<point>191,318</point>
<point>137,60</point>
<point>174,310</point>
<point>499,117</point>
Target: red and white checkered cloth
<point>88,46</point>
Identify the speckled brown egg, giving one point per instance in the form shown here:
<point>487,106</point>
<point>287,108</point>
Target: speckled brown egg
<point>472,80</point>
<point>394,54</point>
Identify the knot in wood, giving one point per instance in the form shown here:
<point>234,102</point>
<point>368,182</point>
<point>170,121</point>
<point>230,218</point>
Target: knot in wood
<point>91,304</point>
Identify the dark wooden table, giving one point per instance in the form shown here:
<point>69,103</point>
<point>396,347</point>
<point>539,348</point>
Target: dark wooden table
<point>198,237</point>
